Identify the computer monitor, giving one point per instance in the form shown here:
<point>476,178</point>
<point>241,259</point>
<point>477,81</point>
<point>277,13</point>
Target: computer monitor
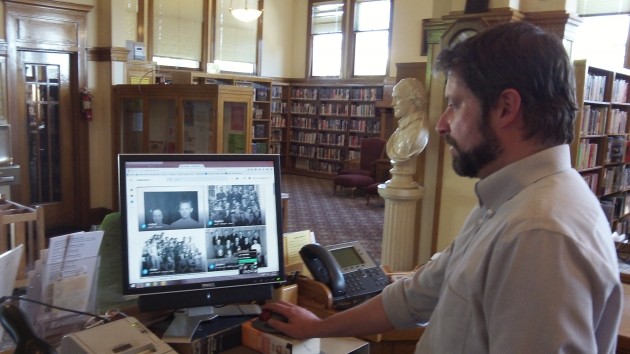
<point>200,229</point>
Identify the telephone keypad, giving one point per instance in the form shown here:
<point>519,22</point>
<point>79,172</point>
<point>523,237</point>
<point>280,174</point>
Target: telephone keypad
<point>365,281</point>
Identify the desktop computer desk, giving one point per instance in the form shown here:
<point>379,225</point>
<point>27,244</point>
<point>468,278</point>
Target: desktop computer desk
<point>403,341</point>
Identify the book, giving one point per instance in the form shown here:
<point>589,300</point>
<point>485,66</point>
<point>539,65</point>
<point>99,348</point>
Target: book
<point>268,343</point>
<point>214,336</point>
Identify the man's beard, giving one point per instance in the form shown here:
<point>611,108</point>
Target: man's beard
<point>468,163</point>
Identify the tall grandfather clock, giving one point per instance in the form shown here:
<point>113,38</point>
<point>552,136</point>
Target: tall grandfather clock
<point>440,33</point>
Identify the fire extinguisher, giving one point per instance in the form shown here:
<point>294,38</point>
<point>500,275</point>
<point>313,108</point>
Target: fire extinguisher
<point>86,104</point>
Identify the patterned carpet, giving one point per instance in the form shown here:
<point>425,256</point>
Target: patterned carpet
<point>333,218</point>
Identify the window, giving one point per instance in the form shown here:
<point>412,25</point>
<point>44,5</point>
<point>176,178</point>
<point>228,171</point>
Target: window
<point>602,40</point>
<point>177,33</point>
<point>234,41</point>
<point>366,48</point>
<point>603,34</point>
<point>180,36</point>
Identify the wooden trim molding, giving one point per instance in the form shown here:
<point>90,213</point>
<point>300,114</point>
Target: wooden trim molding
<point>53,4</point>
<point>560,23</point>
<point>107,54</point>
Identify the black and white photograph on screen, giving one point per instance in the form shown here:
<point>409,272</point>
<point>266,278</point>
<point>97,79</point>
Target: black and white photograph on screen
<point>170,210</point>
<point>163,254</point>
<point>235,205</point>
<point>226,246</point>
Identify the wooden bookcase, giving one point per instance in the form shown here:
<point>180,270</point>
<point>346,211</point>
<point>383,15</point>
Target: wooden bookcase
<point>181,118</point>
<point>261,97</point>
<point>599,151</point>
<point>327,123</point>
<point>279,136</point>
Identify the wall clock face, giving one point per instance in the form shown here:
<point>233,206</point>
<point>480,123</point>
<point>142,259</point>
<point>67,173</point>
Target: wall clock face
<point>462,36</point>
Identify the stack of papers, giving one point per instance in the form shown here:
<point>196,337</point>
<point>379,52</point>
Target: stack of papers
<point>64,276</point>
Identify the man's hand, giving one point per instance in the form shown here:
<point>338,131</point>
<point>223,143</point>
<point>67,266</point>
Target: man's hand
<point>300,324</point>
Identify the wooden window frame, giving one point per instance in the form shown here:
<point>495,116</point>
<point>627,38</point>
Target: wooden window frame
<point>347,42</point>
<point>145,9</point>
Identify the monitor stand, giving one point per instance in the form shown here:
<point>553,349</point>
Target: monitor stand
<point>186,321</point>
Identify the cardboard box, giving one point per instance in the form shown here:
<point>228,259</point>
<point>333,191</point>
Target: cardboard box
<point>268,343</point>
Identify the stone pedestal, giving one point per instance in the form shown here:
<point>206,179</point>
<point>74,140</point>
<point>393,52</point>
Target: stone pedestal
<point>401,195</point>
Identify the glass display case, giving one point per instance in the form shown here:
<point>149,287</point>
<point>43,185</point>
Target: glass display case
<point>182,118</point>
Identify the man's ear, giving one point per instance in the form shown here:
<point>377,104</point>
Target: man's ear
<point>508,106</point>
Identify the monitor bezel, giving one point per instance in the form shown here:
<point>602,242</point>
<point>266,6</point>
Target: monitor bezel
<point>210,285</point>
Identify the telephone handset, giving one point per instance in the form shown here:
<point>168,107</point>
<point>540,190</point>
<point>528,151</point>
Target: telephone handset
<point>349,272</point>
<point>324,268</point>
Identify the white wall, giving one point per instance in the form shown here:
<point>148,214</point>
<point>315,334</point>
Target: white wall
<point>279,28</point>
<point>407,31</point>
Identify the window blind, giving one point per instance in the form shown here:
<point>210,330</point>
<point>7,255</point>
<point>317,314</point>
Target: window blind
<point>235,41</point>
<point>602,7</point>
<point>177,29</point>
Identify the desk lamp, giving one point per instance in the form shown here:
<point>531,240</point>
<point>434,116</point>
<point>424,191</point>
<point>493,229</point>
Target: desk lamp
<point>20,330</point>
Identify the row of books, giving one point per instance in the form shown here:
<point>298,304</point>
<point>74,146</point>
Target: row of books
<point>329,154</point>
<point>593,120</point>
<point>620,91</point>
<point>259,148</point>
<point>276,92</point>
<point>595,87</point>
<point>615,147</point>
<point>365,126</point>
<point>587,154</point>
<point>260,131</point>
<point>616,207</point>
<point>303,108</point>
<point>332,139</point>
<point>276,135</point>
<point>337,109</point>
<point>592,180</point>
<point>304,122</point>
<point>337,94</point>
<point>304,137</point>
<point>617,121</point>
<point>278,107</point>
<point>278,121</point>
<point>363,110</point>
<point>275,148</point>
<point>614,179</point>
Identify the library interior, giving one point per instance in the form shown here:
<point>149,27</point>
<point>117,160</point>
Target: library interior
<point>275,176</point>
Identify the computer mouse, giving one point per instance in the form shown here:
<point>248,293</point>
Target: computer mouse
<point>260,323</point>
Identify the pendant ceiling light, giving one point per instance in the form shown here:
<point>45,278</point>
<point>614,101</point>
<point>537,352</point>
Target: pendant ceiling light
<point>244,13</point>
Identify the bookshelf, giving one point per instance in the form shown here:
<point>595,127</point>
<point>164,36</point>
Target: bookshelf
<point>261,97</point>
<point>600,148</point>
<point>278,139</point>
<point>327,123</point>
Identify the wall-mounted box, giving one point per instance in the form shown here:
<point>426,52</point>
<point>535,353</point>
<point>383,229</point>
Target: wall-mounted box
<point>6,158</point>
<point>9,175</point>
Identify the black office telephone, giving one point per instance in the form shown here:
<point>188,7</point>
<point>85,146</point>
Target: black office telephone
<point>350,273</point>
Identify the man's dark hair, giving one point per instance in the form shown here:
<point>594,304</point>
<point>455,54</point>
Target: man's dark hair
<point>523,57</point>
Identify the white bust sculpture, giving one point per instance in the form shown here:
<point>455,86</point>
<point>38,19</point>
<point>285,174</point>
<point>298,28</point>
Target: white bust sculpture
<point>411,136</point>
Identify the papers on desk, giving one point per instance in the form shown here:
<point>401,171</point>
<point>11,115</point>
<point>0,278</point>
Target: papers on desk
<point>293,242</point>
<point>64,276</point>
<point>9,264</point>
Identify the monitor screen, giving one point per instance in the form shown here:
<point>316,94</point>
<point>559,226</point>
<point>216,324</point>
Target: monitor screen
<point>198,228</point>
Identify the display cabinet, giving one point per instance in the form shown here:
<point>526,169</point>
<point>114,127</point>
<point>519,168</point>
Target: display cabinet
<point>182,119</point>
<point>261,97</point>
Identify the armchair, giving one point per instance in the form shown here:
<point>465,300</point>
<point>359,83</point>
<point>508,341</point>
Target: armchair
<point>361,173</point>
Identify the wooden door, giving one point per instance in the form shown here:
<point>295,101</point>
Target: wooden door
<point>45,111</point>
